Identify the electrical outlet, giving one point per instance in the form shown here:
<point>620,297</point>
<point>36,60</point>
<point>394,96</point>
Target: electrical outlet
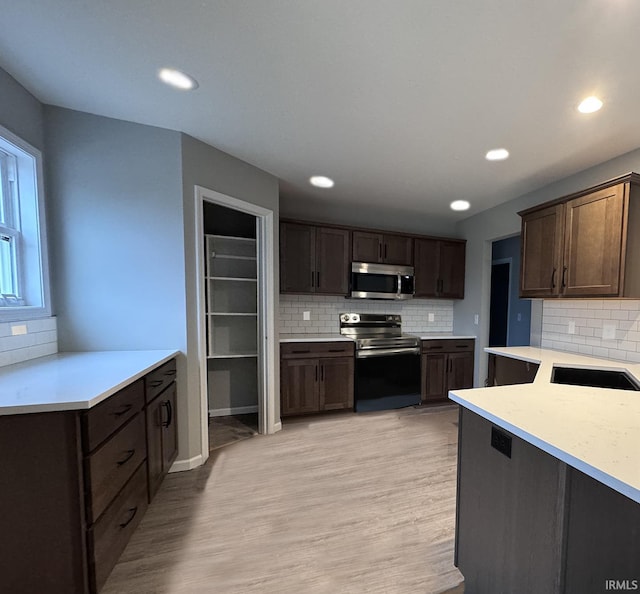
<point>572,327</point>
<point>501,441</point>
<point>519,317</point>
<point>306,316</point>
<point>432,317</point>
<point>476,319</point>
<point>18,330</point>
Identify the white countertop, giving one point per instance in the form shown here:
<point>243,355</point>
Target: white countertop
<point>314,338</point>
<point>72,381</point>
<point>595,430</point>
<point>440,336</point>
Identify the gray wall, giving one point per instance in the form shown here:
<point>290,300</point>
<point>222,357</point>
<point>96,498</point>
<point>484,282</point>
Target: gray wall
<point>210,168</point>
<point>20,111</point>
<point>503,221</point>
<point>116,243</point>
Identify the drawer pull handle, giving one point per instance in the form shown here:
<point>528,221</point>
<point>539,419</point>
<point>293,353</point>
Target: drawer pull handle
<point>155,383</point>
<point>307,351</point>
<point>125,409</point>
<point>336,350</point>
<point>170,372</point>
<point>133,511</point>
<point>461,346</point>
<point>167,405</point>
<point>128,457</point>
<point>431,348</point>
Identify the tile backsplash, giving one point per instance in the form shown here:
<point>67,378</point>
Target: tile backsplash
<point>40,339</point>
<point>603,328</point>
<point>324,311</point>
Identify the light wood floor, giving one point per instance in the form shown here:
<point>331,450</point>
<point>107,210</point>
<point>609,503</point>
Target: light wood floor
<point>340,504</point>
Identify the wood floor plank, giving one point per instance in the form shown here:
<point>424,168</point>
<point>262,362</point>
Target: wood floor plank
<point>347,503</point>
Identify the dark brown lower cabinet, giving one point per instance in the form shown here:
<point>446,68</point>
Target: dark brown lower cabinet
<point>316,377</point>
<point>76,487</point>
<point>527,522</point>
<point>162,437</point>
<point>505,371</point>
<point>447,364</point>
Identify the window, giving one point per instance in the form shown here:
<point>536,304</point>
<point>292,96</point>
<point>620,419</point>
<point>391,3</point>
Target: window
<point>24,286</point>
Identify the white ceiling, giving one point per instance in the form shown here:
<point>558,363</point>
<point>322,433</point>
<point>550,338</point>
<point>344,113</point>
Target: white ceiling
<point>397,100</point>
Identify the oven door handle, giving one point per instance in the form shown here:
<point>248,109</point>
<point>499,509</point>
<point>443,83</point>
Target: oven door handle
<point>367,353</point>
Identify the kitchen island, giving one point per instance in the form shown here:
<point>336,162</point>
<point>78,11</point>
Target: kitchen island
<point>549,482</point>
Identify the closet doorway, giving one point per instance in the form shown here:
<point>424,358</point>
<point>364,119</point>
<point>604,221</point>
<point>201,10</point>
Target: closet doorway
<point>235,268</point>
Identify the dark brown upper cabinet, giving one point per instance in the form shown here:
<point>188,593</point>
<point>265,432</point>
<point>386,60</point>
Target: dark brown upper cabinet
<point>439,268</point>
<point>378,247</point>
<point>579,246</point>
<point>314,259</point>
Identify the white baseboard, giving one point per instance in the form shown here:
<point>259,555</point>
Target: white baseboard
<point>184,465</point>
<point>277,427</point>
<point>238,410</point>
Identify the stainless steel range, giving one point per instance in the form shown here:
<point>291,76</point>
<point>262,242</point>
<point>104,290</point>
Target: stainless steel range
<point>387,361</point>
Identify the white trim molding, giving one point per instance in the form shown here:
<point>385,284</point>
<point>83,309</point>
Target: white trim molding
<point>267,363</point>
<point>189,464</point>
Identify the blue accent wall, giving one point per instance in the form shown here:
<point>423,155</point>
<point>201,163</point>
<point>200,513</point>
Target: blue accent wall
<point>520,309</point>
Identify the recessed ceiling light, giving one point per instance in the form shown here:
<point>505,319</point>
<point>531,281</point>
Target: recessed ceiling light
<point>497,154</point>
<point>589,105</point>
<point>177,79</point>
<point>320,181</point>
<point>460,205</point>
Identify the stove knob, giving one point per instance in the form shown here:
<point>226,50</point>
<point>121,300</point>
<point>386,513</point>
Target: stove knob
<point>345,317</point>
<point>355,317</point>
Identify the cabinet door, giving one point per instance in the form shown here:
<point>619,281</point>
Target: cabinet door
<point>336,383</point>
<point>397,249</point>
<point>541,261</point>
<point>332,261</point>
<point>504,371</point>
<point>297,258</point>
<point>427,259</point>
<point>434,383</point>
<point>452,258</point>
<point>169,429</point>
<point>460,371</point>
<point>367,247</point>
<point>154,446</point>
<point>299,386</point>
<point>593,243</point>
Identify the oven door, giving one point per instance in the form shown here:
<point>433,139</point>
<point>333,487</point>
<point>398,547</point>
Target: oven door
<point>387,380</point>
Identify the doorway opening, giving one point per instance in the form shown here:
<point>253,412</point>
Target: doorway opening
<point>236,318</point>
<point>509,316</point>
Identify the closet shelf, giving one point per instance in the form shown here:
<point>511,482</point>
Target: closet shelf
<point>231,238</point>
<point>231,313</point>
<point>231,257</point>
<point>232,356</point>
<point>233,278</point>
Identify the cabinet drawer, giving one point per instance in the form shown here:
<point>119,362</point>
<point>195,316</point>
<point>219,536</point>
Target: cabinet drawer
<point>158,379</point>
<point>448,345</point>
<point>104,419</point>
<point>109,468</point>
<point>302,350</point>
<point>108,538</point>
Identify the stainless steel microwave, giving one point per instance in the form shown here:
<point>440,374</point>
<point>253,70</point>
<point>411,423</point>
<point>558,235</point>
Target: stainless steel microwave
<point>381,281</point>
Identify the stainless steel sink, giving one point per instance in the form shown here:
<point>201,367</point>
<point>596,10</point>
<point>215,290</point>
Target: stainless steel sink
<point>595,378</point>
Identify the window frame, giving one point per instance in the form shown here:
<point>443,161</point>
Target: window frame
<point>29,178</point>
